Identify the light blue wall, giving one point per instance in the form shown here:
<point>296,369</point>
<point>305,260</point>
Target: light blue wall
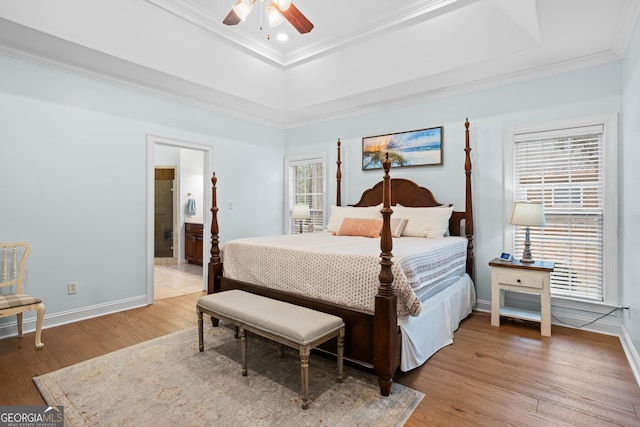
<point>586,92</point>
<point>630,183</point>
<point>73,168</point>
<point>73,180</point>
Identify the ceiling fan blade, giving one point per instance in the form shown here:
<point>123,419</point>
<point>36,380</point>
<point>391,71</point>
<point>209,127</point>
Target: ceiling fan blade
<point>296,18</point>
<point>232,18</point>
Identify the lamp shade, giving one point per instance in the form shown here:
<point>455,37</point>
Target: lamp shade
<point>283,4</point>
<point>300,211</point>
<point>274,17</point>
<point>529,214</point>
<point>243,8</point>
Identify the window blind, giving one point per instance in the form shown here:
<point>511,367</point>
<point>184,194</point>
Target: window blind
<point>564,170</point>
<point>306,185</point>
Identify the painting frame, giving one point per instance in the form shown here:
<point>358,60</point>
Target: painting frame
<point>421,147</point>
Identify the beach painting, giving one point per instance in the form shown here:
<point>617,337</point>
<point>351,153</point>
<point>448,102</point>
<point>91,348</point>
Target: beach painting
<point>411,148</point>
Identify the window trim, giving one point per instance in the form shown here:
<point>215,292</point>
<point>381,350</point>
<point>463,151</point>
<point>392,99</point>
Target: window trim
<point>610,227</point>
<point>287,164</point>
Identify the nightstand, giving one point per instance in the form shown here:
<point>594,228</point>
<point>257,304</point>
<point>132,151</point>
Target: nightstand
<point>516,276</point>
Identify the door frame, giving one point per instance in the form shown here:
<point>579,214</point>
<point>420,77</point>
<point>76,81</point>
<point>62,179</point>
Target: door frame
<point>207,168</point>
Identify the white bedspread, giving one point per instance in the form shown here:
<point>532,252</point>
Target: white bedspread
<point>342,269</point>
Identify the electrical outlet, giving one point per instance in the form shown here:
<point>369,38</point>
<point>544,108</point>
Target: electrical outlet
<point>72,288</point>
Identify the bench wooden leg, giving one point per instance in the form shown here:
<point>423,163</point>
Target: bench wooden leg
<point>243,350</point>
<point>19,320</point>
<point>304,371</point>
<point>200,332</point>
<point>340,355</point>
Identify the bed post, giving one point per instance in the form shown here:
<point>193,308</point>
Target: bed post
<point>385,338</point>
<point>338,178</point>
<point>468,221</point>
<point>215,264</point>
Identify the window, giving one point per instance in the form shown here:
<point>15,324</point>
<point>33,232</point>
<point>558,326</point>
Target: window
<point>305,184</point>
<point>571,170</point>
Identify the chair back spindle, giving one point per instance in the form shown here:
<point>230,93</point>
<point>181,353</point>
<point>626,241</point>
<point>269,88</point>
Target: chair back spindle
<point>15,301</point>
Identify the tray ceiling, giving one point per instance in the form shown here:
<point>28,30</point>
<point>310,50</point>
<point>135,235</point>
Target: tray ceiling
<point>361,54</point>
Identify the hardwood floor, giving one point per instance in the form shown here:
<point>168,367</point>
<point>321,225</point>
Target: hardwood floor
<point>489,376</point>
<point>512,376</point>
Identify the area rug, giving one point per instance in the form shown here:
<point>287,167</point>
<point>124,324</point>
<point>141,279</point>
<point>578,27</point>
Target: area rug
<point>168,382</point>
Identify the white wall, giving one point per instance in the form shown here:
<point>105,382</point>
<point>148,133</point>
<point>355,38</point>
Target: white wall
<point>630,183</point>
<point>591,91</point>
<point>191,162</point>
<point>73,176</point>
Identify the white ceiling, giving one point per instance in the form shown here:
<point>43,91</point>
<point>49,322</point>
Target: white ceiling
<point>361,54</point>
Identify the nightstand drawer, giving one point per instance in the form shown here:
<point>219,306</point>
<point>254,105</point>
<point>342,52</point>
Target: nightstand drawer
<point>520,280</point>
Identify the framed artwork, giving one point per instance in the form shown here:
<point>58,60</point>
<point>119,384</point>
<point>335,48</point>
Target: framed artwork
<point>411,148</point>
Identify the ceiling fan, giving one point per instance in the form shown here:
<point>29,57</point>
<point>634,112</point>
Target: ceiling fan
<point>276,11</point>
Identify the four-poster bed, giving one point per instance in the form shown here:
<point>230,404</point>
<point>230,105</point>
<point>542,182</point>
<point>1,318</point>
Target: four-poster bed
<point>375,327</point>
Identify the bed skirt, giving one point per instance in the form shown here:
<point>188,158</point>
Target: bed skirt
<point>433,328</point>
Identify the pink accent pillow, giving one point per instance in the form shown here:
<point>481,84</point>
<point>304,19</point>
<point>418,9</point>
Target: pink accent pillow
<point>364,227</point>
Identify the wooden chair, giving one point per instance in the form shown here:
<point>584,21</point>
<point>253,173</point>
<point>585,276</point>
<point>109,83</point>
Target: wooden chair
<point>14,259</point>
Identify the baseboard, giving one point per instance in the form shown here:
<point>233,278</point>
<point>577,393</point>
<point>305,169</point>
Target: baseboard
<point>631,353</point>
<point>482,305</point>
<point>603,326</point>
<point>56,319</point>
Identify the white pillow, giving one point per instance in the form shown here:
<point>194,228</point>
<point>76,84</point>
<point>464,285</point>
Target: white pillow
<point>397,226</point>
<point>339,213</point>
<point>425,222</point>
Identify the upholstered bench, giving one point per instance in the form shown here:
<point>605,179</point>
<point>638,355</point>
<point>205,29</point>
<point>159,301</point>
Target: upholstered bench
<point>288,324</point>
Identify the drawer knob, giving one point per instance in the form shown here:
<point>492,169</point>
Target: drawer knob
<point>518,280</point>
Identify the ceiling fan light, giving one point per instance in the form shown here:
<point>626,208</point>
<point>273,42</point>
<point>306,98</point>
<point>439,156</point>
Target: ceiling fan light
<point>274,17</point>
<point>243,8</point>
<point>283,4</point>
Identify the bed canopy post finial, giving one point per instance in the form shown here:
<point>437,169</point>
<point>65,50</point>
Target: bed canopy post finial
<point>385,339</point>
<point>386,243</point>
<point>468,221</point>
<point>338,178</point>
<point>215,264</point>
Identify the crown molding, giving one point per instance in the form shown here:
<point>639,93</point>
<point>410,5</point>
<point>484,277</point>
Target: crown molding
<point>153,82</point>
<point>471,85</point>
<point>629,16</point>
<point>210,99</point>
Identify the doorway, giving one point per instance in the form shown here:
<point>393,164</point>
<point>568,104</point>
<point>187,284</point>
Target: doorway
<point>191,177</point>
<point>164,244</point>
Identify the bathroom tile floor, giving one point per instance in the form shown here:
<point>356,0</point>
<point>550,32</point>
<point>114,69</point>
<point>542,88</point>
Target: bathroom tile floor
<point>172,280</point>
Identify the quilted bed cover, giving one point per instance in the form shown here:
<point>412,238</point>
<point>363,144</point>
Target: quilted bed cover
<point>344,269</point>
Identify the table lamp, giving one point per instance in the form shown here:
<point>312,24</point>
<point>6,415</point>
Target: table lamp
<point>301,212</point>
<point>529,214</point>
